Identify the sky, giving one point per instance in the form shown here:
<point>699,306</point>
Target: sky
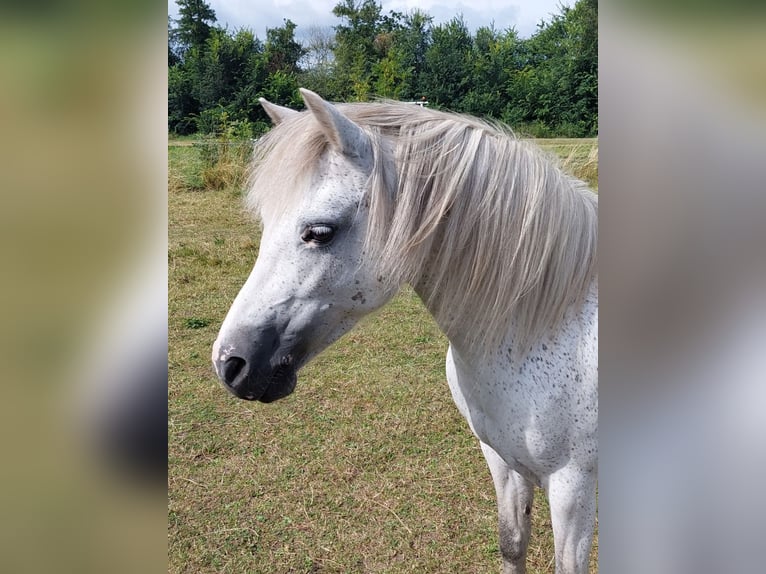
<point>257,15</point>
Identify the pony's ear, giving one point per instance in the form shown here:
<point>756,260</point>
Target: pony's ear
<point>278,114</point>
<point>343,134</point>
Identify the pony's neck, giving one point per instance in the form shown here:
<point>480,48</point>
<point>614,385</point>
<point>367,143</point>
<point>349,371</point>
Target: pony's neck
<point>494,238</point>
<point>429,295</point>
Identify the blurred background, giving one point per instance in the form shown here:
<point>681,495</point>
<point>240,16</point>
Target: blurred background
<point>682,88</point>
<point>83,290</point>
<point>83,152</point>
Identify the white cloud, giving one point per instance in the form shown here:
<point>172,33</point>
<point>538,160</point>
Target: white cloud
<point>524,15</point>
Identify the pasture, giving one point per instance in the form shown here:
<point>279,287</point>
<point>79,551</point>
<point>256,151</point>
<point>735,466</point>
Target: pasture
<point>367,467</point>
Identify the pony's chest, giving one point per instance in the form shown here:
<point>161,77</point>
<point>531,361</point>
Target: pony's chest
<point>533,414</point>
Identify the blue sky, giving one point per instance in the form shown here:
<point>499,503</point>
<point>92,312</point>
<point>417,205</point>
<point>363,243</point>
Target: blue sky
<point>258,15</point>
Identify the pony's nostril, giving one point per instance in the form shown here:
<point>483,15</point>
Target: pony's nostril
<point>232,368</point>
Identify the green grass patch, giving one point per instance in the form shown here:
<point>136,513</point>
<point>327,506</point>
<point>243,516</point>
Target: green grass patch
<point>197,323</point>
<point>367,467</point>
<point>185,167</point>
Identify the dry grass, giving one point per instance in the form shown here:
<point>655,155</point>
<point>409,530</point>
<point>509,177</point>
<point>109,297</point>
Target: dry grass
<point>585,168</point>
<point>212,164</point>
<point>367,467</point>
<point>578,157</point>
<point>226,163</point>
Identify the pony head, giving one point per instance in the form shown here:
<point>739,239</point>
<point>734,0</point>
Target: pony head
<point>311,282</point>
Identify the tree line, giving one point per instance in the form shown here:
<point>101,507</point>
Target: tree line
<point>545,85</point>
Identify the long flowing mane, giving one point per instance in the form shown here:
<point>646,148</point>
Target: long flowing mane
<point>495,234</point>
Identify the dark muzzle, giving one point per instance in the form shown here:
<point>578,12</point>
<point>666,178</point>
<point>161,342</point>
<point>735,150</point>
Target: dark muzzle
<point>256,369</point>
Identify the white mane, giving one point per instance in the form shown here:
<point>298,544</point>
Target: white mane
<point>503,236</point>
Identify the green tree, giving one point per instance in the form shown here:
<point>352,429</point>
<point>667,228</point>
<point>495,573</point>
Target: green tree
<point>194,24</point>
<point>223,75</point>
<point>411,42</point>
<point>492,62</point>
<point>173,48</point>
<point>582,28</point>
<point>187,37</point>
<point>281,88</point>
<point>559,80</point>
<point>361,41</point>
<point>318,61</point>
<point>181,104</point>
<point>282,50</point>
<point>446,78</point>
<point>545,85</point>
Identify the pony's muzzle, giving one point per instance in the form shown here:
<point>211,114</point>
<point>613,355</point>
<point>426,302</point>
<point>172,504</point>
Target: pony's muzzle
<point>234,372</point>
<point>255,370</point>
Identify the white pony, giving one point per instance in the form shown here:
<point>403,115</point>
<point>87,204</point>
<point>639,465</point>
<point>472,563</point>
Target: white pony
<point>358,199</point>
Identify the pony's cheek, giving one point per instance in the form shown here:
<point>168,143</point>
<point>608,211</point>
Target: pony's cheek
<point>314,333</point>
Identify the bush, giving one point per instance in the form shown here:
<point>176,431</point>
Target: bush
<point>220,121</point>
<point>226,152</point>
<point>225,163</point>
<point>536,129</point>
<point>572,130</point>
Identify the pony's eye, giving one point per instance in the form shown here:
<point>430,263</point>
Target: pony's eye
<point>318,234</point>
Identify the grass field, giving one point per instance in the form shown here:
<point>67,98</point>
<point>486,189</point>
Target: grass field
<point>367,467</point>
